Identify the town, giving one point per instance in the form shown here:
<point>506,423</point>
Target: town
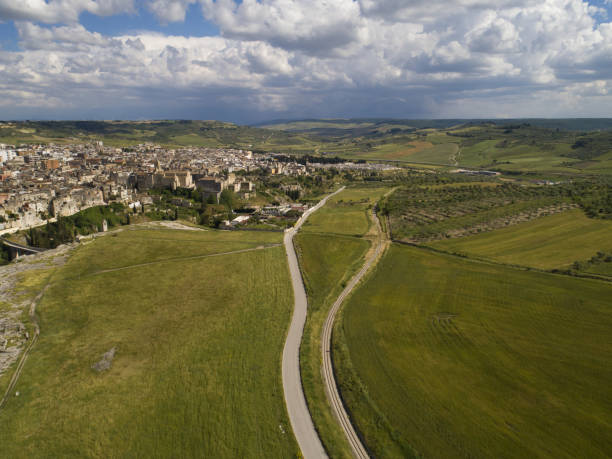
<point>39,183</point>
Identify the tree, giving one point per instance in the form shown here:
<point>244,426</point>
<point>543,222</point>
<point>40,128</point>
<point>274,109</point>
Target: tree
<point>228,199</point>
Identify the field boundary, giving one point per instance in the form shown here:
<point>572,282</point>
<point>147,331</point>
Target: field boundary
<point>487,261</point>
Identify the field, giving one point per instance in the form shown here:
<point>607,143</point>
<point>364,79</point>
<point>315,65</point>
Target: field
<point>445,357</point>
<point>198,344</point>
<point>555,241</point>
<point>346,213</point>
<point>429,211</point>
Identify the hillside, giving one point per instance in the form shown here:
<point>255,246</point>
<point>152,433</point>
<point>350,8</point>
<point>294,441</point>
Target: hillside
<point>567,147</point>
<point>158,343</point>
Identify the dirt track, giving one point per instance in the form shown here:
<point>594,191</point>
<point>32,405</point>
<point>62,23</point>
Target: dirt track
<point>329,380</point>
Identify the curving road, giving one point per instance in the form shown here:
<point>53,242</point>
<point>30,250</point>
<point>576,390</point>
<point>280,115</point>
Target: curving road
<point>329,380</point>
<point>299,416</point>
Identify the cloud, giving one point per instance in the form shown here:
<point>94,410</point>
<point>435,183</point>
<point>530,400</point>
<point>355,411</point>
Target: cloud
<point>322,58</point>
<point>314,26</point>
<point>170,10</point>
<point>69,38</point>
<point>60,11</point>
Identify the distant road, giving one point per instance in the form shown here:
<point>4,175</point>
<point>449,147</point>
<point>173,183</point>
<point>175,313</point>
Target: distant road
<point>299,416</point>
<point>329,380</point>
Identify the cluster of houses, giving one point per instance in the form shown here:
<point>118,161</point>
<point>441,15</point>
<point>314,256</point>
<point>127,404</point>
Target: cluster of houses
<point>41,182</point>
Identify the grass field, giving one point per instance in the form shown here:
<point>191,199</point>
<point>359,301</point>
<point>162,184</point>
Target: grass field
<point>345,213</point>
<point>447,357</point>
<point>134,246</point>
<point>555,241</point>
<point>198,344</point>
<point>602,269</point>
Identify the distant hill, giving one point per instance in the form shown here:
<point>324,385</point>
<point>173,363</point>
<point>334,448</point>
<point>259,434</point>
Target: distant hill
<point>164,132</point>
<point>572,124</point>
<point>560,146</point>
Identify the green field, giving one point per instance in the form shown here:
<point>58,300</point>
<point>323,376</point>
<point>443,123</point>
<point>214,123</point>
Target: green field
<point>555,241</point>
<point>431,211</point>
<point>345,213</point>
<point>134,246</point>
<point>601,269</point>
<point>446,357</point>
<point>198,344</point>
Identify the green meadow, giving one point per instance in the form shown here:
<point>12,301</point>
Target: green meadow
<point>346,213</point>
<point>196,371</point>
<point>438,356</point>
<point>551,242</point>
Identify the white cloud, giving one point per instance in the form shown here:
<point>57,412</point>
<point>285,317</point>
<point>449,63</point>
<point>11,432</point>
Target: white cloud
<point>60,11</point>
<point>314,26</point>
<point>170,10</point>
<point>332,58</point>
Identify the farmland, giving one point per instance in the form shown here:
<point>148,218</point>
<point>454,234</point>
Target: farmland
<point>197,341</point>
<point>446,357</point>
<point>429,211</point>
<point>346,213</point>
<point>552,242</point>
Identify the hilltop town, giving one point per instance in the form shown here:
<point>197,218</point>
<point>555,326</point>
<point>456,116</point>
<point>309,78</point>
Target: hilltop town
<point>39,183</point>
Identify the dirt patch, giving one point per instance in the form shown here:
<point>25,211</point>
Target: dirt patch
<point>174,225</point>
<point>414,147</point>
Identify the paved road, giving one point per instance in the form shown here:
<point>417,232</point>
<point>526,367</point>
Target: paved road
<point>329,380</point>
<point>25,248</point>
<point>299,416</point>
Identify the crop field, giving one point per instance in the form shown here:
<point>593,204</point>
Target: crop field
<point>197,341</point>
<point>442,153</point>
<point>550,242</point>
<point>445,357</point>
<point>602,269</point>
<point>136,245</point>
<point>345,213</point>
<point>522,147</point>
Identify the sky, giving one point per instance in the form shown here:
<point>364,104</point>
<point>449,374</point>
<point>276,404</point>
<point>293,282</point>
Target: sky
<point>250,61</point>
